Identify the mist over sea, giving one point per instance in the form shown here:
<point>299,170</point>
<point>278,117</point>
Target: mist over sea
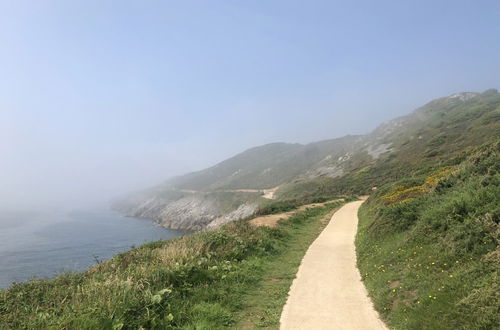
<point>44,243</point>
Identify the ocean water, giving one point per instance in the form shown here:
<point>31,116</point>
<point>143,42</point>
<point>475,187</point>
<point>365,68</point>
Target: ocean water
<point>43,244</point>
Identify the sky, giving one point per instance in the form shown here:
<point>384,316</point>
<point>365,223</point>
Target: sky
<point>99,97</point>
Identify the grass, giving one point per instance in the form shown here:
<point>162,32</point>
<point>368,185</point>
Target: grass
<point>430,259</point>
<point>208,280</point>
<point>285,205</point>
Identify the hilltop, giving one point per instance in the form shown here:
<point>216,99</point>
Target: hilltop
<point>238,187</point>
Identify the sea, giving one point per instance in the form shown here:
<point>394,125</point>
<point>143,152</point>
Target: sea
<point>42,244</point>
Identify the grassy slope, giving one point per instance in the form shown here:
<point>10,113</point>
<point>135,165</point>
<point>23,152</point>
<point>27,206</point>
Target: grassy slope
<point>206,280</point>
<point>428,138</point>
<point>428,246</point>
<point>263,167</point>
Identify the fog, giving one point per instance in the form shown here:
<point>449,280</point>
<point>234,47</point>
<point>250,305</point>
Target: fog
<point>99,98</point>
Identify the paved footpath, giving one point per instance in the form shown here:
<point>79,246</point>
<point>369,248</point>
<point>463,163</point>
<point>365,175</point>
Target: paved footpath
<point>327,292</point>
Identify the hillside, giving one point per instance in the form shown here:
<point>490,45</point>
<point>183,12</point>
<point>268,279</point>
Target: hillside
<point>238,187</point>
<point>428,245</point>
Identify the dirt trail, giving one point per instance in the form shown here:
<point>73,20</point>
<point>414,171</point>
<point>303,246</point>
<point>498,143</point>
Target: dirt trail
<point>266,193</point>
<point>272,220</point>
<point>327,292</point>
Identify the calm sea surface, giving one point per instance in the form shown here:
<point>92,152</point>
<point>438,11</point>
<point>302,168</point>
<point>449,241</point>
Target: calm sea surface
<point>43,244</point>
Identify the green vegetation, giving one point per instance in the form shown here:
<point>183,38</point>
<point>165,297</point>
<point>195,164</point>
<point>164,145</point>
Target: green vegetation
<point>428,246</point>
<point>432,137</point>
<point>229,201</point>
<point>285,205</point>
<point>265,166</point>
<point>309,189</point>
<point>207,280</point>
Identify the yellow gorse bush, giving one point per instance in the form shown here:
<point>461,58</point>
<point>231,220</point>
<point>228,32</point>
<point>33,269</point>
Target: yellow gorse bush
<point>402,194</point>
<point>432,180</point>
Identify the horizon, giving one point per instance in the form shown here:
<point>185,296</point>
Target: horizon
<point>99,99</point>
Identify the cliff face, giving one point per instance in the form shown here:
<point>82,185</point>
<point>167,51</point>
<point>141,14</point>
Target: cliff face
<point>193,212</point>
<point>235,188</point>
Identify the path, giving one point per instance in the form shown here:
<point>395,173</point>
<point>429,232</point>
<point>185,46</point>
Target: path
<point>266,193</point>
<point>327,292</point>
<point>271,220</point>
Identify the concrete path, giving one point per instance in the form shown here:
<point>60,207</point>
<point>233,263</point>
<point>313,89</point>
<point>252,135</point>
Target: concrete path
<point>327,292</point>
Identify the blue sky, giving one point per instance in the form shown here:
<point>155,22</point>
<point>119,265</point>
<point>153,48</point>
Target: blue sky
<point>100,97</point>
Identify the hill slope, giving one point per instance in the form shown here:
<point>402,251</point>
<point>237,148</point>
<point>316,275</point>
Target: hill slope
<point>233,189</point>
<point>428,246</point>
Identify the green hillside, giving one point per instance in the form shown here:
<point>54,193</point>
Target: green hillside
<point>431,133</point>
<point>428,245</point>
<point>264,167</point>
<point>429,137</point>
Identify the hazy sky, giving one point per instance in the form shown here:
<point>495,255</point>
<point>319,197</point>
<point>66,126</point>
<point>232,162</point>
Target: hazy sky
<point>101,97</point>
